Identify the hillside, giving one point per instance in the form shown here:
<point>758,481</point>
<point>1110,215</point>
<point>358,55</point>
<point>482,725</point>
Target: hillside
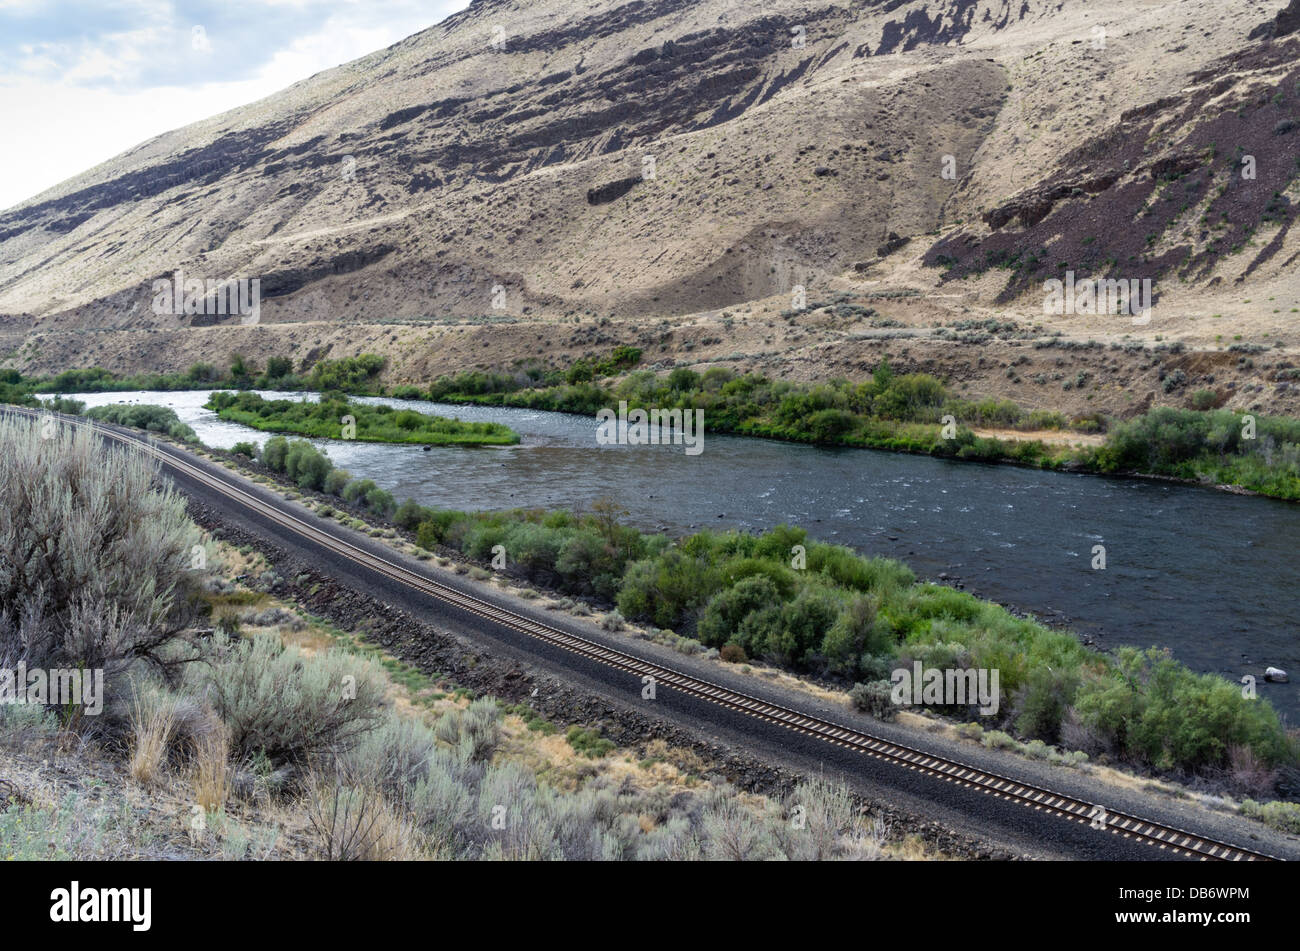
<point>478,194</point>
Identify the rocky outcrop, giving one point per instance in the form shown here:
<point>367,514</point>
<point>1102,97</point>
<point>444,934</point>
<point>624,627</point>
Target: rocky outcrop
<point>1285,23</point>
<point>1114,199</point>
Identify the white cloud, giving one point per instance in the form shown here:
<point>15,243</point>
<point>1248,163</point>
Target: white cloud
<point>73,101</point>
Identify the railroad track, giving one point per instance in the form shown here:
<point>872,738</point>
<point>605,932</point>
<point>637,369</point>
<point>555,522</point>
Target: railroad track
<point>1066,807</point>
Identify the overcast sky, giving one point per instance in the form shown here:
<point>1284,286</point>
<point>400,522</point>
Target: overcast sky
<point>83,80</point>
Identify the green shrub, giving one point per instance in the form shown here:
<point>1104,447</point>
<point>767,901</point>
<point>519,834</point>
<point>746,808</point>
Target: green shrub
<point>804,622</point>
<point>380,501</point>
<point>1161,713</point>
<point>274,452</point>
<point>997,740</point>
<point>668,589</point>
<point>350,374</point>
<point>155,419</point>
<point>335,481</point>
<point>588,743</point>
<point>432,531</point>
<point>357,490</point>
<point>723,615</point>
<point>63,404</point>
<point>1042,701</point>
<point>1283,816</point>
<point>409,515</point>
<point>306,465</point>
<point>854,633</point>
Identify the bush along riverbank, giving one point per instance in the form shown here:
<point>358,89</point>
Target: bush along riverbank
<point>154,419</point>
<point>335,418</point>
<point>917,413</point>
<point>356,375</point>
<point>896,412</point>
<point>827,611</point>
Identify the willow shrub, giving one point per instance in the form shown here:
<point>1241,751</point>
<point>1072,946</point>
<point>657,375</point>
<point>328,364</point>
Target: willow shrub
<point>1159,712</point>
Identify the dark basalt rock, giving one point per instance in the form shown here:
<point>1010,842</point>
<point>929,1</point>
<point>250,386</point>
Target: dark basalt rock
<point>1284,24</point>
<point>612,191</point>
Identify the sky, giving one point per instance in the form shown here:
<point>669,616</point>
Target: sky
<point>84,80</point>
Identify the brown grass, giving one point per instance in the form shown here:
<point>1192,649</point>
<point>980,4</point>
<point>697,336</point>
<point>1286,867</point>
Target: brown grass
<point>353,823</point>
<point>211,752</point>
<point>151,732</point>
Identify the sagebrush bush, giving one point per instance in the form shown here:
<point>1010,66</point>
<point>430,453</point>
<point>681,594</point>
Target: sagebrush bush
<point>395,756</point>
<point>97,559</point>
<point>829,824</point>
<point>292,708</point>
<point>449,800</point>
<point>998,740</point>
<point>476,730</point>
<point>874,698</point>
<point>25,725</point>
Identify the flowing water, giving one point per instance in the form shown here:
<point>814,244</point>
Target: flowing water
<point>1208,574</point>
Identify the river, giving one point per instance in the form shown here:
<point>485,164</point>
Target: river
<point>1208,574</point>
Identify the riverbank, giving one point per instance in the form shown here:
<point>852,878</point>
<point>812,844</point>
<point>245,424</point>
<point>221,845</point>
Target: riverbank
<point>336,418</point>
<point>916,413</point>
<point>911,413</point>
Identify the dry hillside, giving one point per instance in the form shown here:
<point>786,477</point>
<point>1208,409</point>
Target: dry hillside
<point>793,143</point>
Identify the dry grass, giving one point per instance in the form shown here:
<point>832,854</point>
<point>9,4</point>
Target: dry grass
<point>351,822</point>
<point>211,778</point>
<point>152,727</point>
